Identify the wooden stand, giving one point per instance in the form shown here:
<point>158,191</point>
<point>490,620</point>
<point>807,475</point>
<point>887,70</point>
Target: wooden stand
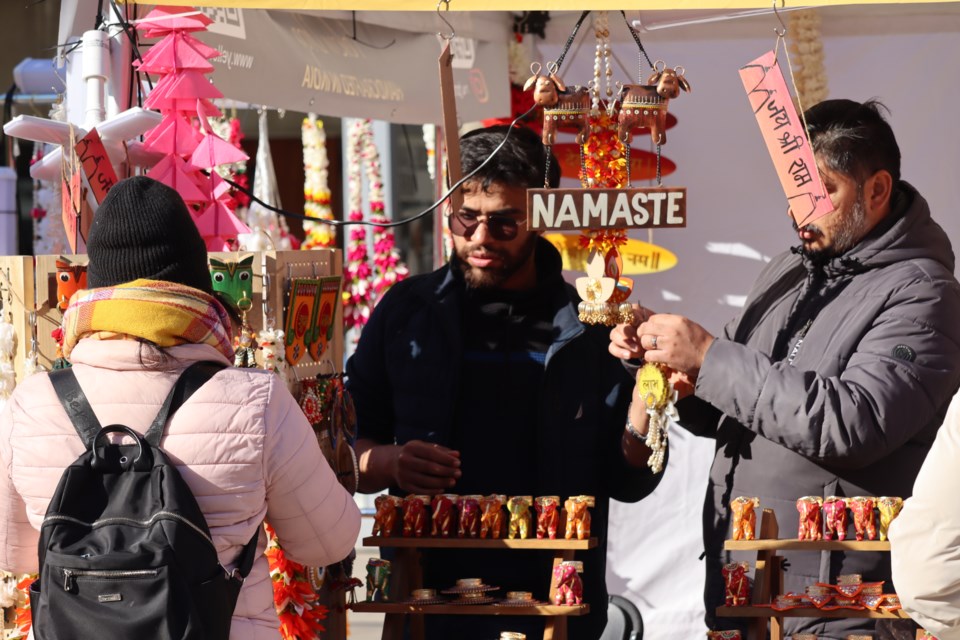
<point>408,575</point>
<point>768,580</point>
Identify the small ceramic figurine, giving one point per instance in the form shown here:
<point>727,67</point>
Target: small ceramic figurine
<point>834,518</point>
<point>378,580</point>
<point>548,516</point>
<point>70,278</point>
<point>444,515</point>
<point>864,520</point>
<point>566,575</point>
<point>811,521</point>
<point>519,508</point>
<point>469,516</point>
<point>736,584</point>
<point>385,519</point>
<point>415,516</point>
<point>491,518</point>
<point>578,518</point>
<point>744,517</point>
<point>889,509</point>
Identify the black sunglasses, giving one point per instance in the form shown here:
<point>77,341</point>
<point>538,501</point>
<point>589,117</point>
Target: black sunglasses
<point>463,223</point>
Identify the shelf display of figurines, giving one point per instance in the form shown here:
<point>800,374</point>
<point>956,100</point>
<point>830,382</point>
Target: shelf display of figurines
<point>811,521</point>
<point>725,634</point>
<point>471,591</point>
<point>736,584</point>
<point>548,516</point>
<point>569,585</point>
<point>519,509</point>
<point>578,517</point>
<point>850,593</point>
<point>444,515</point>
<point>386,518</point>
<point>378,580</point>
<point>491,516</point>
<point>744,517</point>
<point>415,516</point>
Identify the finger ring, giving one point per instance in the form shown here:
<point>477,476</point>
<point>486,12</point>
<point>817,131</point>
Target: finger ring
<point>653,343</point>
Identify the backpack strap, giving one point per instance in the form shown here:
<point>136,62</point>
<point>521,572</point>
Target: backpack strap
<point>75,403</point>
<point>192,378</point>
<point>247,556</point>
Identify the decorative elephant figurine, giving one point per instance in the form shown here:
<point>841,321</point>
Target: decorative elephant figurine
<point>444,515</point>
<point>864,520</point>
<point>566,575</point>
<point>578,518</point>
<point>834,518</point>
<point>378,580</point>
<point>736,584</point>
<point>70,279</point>
<point>744,517</point>
<point>415,516</point>
<point>491,516</point>
<point>385,519</point>
<point>469,516</point>
<point>889,509</point>
<point>561,107</point>
<point>645,105</point>
<point>519,508</point>
<point>548,516</point>
<point>811,522</point>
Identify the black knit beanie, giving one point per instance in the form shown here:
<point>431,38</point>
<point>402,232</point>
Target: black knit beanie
<point>143,229</point>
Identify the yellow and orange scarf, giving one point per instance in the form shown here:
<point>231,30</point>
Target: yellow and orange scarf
<point>165,313</point>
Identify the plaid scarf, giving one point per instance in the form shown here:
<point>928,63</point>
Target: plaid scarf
<point>165,313</point>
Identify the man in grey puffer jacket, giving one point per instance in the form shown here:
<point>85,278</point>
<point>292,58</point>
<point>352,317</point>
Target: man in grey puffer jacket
<point>837,374</point>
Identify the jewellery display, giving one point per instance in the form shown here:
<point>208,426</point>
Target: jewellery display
<point>471,591</point>
<point>744,517</point>
<point>569,585</point>
<point>810,518</point>
<point>578,517</point>
<point>519,599</point>
<point>658,395</point>
<point>548,516</point>
<point>422,597</point>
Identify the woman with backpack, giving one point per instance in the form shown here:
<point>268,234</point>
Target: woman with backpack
<point>239,442</point>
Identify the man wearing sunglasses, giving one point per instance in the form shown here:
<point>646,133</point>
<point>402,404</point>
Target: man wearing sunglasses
<point>479,378</point>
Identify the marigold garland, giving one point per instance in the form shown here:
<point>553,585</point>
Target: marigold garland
<point>605,163</point>
<point>316,189</point>
<point>15,594</point>
<point>295,600</point>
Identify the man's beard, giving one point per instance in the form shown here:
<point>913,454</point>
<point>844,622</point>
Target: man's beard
<point>492,278</point>
<point>846,235</point>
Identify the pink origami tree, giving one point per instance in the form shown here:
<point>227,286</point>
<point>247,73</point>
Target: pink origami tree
<point>183,96</point>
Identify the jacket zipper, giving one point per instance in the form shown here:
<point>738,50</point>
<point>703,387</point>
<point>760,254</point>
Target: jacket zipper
<point>70,575</point>
<point>160,515</point>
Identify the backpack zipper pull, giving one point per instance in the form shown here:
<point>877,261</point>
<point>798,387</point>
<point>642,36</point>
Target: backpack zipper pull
<point>68,581</point>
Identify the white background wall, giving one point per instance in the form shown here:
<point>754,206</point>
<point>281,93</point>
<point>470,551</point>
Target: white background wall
<point>909,58</point>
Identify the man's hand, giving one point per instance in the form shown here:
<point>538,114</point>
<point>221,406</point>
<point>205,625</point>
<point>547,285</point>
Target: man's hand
<point>624,340</point>
<point>425,467</point>
<point>675,341</point>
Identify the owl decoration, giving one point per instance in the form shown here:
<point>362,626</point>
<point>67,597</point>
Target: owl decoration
<point>70,278</point>
<point>234,281</point>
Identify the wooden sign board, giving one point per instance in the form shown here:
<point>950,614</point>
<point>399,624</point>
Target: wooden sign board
<point>579,209</point>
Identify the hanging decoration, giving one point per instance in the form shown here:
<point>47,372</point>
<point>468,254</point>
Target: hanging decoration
<point>49,234</point>
<point>298,608</point>
<point>363,284</point>
<point>184,136</point>
<point>810,74</point>
<point>269,231</point>
<point>230,130</point>
<point>316,189</point>
<point>659,398</point>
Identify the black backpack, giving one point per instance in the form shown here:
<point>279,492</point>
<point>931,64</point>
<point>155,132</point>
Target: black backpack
<point>125,551</point>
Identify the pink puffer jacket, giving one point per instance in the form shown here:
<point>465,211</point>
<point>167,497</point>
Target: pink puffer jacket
<point>241,443</point>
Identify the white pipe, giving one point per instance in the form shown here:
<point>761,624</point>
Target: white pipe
<point>8,211</point>
<point>96,68</point>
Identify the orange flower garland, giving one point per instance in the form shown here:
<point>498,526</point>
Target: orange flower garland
<point>295,600</point>
<point>604,158</point>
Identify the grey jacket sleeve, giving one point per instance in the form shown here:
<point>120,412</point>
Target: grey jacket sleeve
<point>875,404</point>
<point>698,416</point>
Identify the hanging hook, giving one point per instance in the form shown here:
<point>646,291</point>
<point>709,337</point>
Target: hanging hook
<point>782,31</point>
<point>453,32</point>
<point>353,18</point>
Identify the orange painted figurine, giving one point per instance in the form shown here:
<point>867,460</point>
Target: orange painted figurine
<point>834,518</point>
<point>744,517</point>
<point>578,518</point>
<point>519,508</point>
<point>491,518</point>
<point>736,583</point>
<point>811,521</point>
<point>864,520</point>
<point>444,515</point>
<point>385,519</point>
<point>415,516</point>
<point>548,516</point>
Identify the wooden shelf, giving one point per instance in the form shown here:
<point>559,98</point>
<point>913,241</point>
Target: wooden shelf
<point>477,543</point>
<point>806,612</point>
<point>806,545</point>
<point>471,609</point>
